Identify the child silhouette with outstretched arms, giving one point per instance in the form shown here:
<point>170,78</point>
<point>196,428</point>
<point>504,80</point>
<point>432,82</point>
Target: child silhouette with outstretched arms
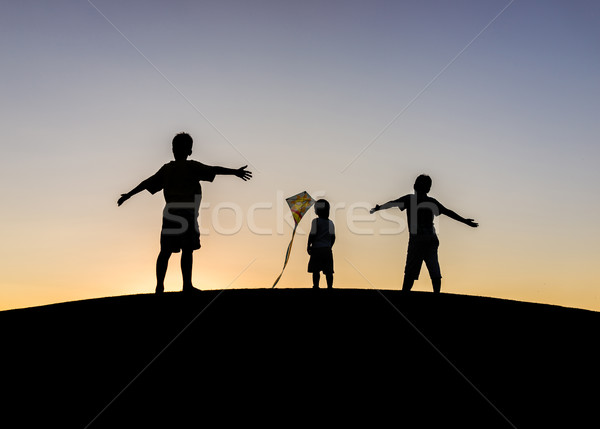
<point>320,242</point>
<point>423,242</point>
<point>180,182</point>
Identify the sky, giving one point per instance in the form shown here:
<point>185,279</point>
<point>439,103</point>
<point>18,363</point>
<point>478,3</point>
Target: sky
<point>498,101</point>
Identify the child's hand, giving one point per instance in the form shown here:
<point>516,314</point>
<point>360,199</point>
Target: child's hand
<point>243,174</point>
<point>472,223</point>
<point>374,209</point>
<point>124,197</point>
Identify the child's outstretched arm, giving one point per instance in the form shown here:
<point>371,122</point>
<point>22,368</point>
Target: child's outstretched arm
<point>241,172</point>
<point>388,205</point>
<point>139,188</point>
<point>457,217</point>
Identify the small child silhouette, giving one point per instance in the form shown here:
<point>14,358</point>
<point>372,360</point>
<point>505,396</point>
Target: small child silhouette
<point>320,242</point>
<point>423,242</point>
<point>180,182</point>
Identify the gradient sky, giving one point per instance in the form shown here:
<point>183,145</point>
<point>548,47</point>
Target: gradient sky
<point>348,100</point>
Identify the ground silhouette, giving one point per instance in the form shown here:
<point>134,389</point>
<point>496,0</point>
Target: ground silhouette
<point>298,356</point>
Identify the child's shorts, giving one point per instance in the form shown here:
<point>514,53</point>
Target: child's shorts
<point>422,249</point>
<point>180,230</point>
<point>321,259</point>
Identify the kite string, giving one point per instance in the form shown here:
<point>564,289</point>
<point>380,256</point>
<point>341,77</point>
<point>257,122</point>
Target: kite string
<point>287,256</point>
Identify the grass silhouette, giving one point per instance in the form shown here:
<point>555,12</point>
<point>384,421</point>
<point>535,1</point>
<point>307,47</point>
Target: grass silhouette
<point>299,356</point>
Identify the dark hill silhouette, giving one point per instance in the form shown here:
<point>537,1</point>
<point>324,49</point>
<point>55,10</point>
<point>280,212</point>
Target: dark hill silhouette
<point>298,356</point>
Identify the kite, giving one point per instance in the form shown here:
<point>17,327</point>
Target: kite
<point>299,204</point>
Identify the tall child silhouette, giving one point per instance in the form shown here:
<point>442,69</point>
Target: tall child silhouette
<point>423,242</point>
<point>180,182</point>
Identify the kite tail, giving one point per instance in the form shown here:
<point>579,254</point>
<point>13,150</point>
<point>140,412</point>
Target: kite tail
<point>287,256</point>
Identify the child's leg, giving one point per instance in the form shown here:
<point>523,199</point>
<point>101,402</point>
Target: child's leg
<point>414,260</point>
<point>433,266</point>
<point>162,262</point>
<point>329,278</point>
<point>316,278</point>
<point>408,283</point>
<point>187,260</point>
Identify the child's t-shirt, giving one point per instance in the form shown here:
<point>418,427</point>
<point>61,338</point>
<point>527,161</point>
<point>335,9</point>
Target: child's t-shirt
<point>180,180</point>
<point>420,211</point>
<point>322,230</point>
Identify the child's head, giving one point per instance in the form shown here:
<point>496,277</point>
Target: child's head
<point>182,146</point>
<point>422,184</point>
<point>322,208</point>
